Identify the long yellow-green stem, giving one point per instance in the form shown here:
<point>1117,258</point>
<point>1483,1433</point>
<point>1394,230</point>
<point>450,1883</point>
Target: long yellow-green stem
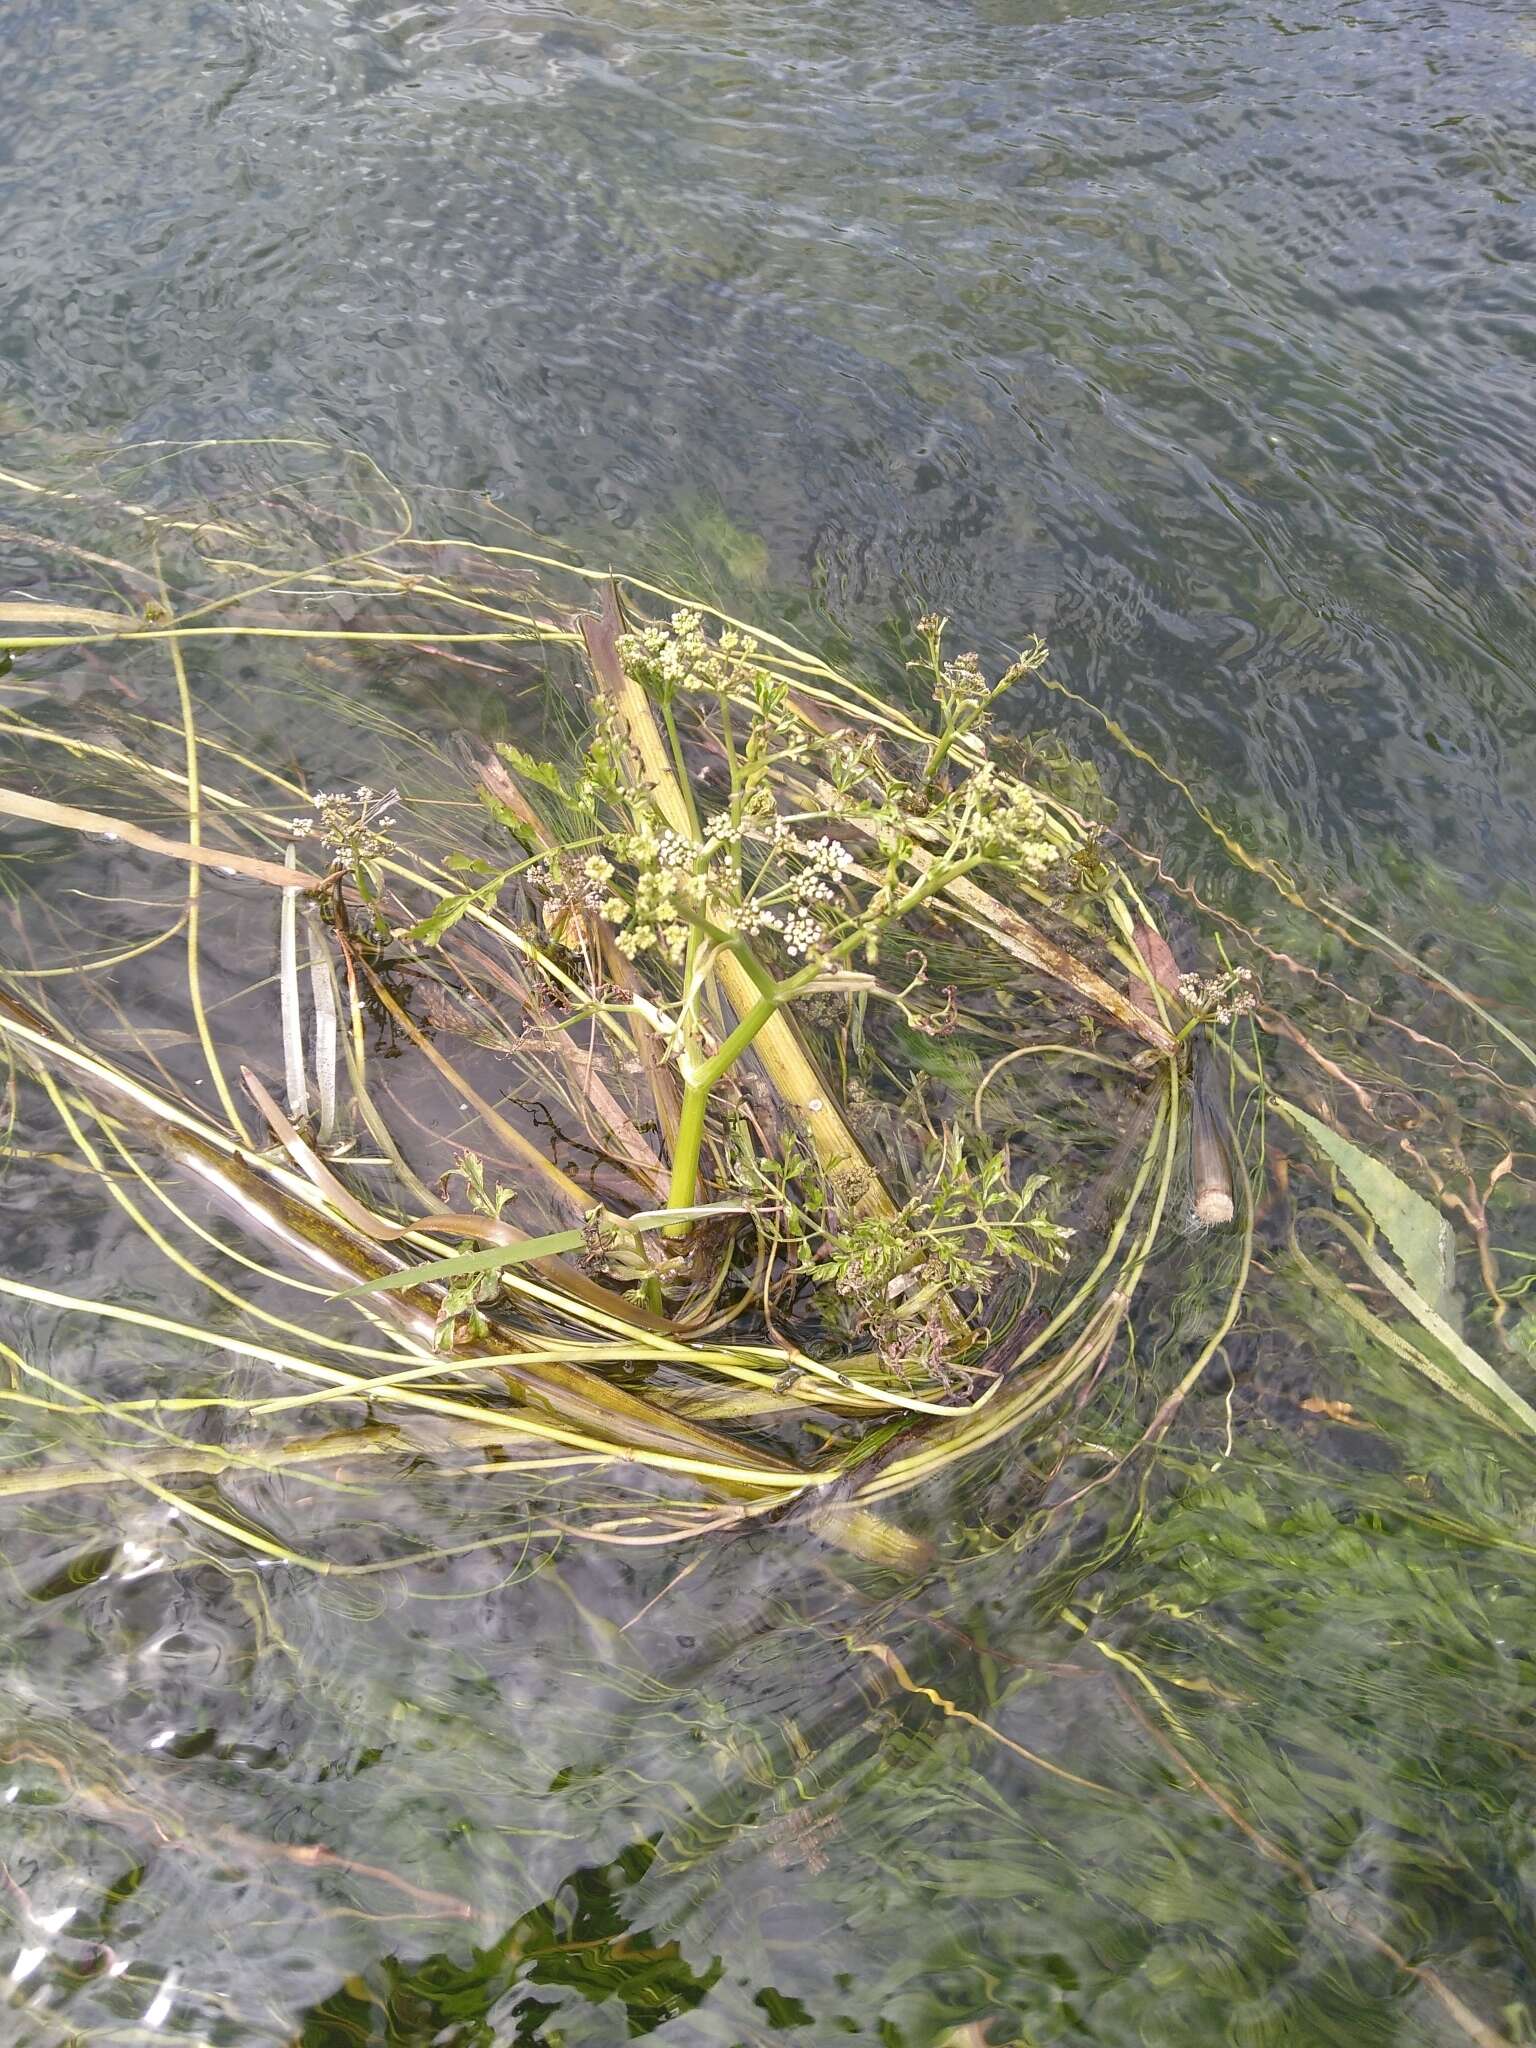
<point>195,886</point>
<point>756,1018</point>
<point>799,1086</point>
<point>411,637</point>
<point>688,1151</point>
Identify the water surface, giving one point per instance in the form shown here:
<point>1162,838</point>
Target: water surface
<point>1201,340</point>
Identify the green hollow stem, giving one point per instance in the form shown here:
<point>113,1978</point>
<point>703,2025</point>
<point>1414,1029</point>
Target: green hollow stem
<point>941,752</point>
<point>687,1153</point>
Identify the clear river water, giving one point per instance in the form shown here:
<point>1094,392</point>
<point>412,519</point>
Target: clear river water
<point>1199,339</point>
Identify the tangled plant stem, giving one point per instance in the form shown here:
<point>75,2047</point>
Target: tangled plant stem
<point>741,832</point>
<point>752,875</point>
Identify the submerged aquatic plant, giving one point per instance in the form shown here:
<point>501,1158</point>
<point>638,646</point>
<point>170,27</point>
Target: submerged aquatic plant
<point>663,986</point>
<point>956,1234</point>
<point>753,1098</point>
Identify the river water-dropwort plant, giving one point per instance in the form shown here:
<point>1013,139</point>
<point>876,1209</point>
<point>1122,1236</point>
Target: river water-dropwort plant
<point>752,1093</point>
<point>820,847</point>
<point>714,823</point>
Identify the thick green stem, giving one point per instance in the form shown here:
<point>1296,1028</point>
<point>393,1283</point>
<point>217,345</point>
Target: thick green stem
<point>686,1153</point>
<point>721,1062</point>
<point>940,754</point>
<point>683,1190</point>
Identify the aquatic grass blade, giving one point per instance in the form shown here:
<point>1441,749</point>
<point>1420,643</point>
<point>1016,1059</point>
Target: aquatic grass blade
<point>294,1082</point>
<point>492,1260</point>
<point>1431,1321</point>
<point>15,803</point>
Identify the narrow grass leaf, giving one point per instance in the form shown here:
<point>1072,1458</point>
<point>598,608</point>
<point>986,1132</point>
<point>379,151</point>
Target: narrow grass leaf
<point>322,988</point>
<point>465,1263</point>
<point>15,803</point>
<point>288,991</point>
<point>36,611</point>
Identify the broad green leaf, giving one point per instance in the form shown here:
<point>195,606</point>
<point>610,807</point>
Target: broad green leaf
<point>1452,1340</point>
<point>443,919</point>
<point>696,1212</point>
<point>490,1260</point>
<point>522,831</point>
<point>1402,1344</point>
<point>544,773</point>
<point>1417,1232</point>
<point>496,1256</point>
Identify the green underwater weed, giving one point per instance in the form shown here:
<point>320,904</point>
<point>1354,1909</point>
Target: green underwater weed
<point>818,849</point>
<point>662,984</point>
<point>1036,1272</point>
